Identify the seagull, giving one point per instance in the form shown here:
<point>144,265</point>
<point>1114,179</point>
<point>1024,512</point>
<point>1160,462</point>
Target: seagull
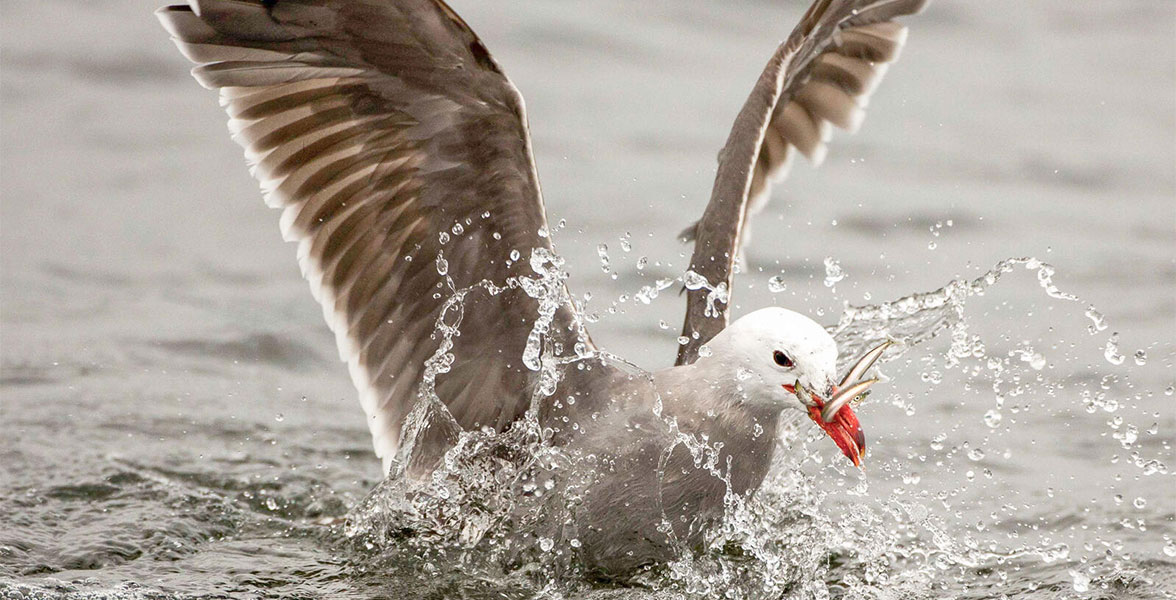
<point>399,155</point>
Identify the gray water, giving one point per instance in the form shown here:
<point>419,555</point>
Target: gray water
<point>174,422</point>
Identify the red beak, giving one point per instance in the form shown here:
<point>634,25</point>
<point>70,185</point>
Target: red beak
<point>844,429</point>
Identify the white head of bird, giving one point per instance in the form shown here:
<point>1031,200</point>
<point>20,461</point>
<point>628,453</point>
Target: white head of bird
<point>772,350</point>
<point>784,360</point>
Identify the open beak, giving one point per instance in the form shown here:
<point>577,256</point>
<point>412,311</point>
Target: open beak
<point>843,428</point>
<point>834,414</point>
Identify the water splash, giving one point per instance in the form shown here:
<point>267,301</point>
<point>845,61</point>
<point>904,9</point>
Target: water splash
<point>648,293</point>
<point>920,317</point>
<point>549,290</point>
<point>502,503</point>
<point>715,293</point>
<point>1097,321</point>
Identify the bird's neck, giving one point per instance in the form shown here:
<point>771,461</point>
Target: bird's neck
<point>712,395</point>
<point>719,410</point>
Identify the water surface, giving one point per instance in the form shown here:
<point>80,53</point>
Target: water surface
<point>175,422</point>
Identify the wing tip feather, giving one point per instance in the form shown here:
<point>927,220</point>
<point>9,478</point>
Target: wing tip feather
<point>817,155</point>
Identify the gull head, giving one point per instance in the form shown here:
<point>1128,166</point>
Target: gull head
<point>785,360</point>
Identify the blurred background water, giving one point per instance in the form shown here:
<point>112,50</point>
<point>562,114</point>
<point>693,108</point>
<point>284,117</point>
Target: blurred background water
<point>174,421</point>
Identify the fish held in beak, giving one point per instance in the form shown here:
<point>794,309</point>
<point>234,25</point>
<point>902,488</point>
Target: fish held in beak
<point>842,397</point>
<point>865,362</point>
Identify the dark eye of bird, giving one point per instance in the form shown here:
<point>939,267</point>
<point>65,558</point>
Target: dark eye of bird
<point>782,359</point>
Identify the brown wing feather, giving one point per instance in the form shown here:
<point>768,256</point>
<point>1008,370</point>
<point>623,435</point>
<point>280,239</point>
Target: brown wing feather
<point>822,75</point>
<point>388,136</point>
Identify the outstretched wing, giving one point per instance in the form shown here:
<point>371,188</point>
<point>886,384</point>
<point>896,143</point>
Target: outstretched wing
<point>398,152</point>
<point>821,76</point>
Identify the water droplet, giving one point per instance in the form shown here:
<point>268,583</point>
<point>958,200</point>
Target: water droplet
<point>1140,357</point>
<point>1035,359</point>
<point>514,255</point>
<point>1081,581</point>
<point>443,237</point>
<point>776,284</point>
<point>642,262</point>
<point>1128,436</point>
<point>1045,275</point>
<point>833,272</point>
<point>661,324</point>
<point>602,252</point>
<point>457,229</point>
<point>1170,548</point>
<point>279,417</point>
<point>1139,503</point>
<point>574,542</point>
<point>546,544</point>
<point>992,418</point>
<point>932,245</point>
<point>694,281</point>
<point>976,454</point>
<point>705,351</point>
<point>442,265</point>
<point>1098,321</point>
<point>937,441</point>
<point>1111,352</point>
